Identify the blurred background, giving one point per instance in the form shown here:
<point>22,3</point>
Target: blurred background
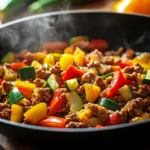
<point>14,9</point>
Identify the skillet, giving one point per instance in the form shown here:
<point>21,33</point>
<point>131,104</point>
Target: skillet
<point>126,30</point>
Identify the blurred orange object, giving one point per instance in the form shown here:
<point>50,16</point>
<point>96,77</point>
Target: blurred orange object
<point>133,6</point>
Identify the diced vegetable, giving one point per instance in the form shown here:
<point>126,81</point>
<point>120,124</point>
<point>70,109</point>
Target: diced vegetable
<point>40,56</point>
<point>146,79</point>
<point>78,38</point>
<point>136,119</point>
<point>36,113</point>
<point>79,56</point>
<point>1,70</point>
<point>143,57</point>
<point>94,70</point>
<point>105,102</point>
<point>25,88</point>
<point>107,75</point>
<point>103,69</point>
<point>56,102</point>
<point>15,66</point>
<point>115,68</point>
<point>99,126</point>
<point>84,114</point>
<point>1,81</point>
<point>8,58</point>
<point>49,59</point>
<point>92,92</point>
<point>14,96</point>
<point>36,64</point>
<point>113,119</point>
<point>125,64</point>
<point>145,115</point>
<point>16,113</point>
<point>69,50</point>
<point>23,102</point>
<point>52,83</point>
<point>48,66</point>
<point>95,57</point>
<point>56,56</point>
<point>75,101</point>
<point>66,60</point>
<point>126,93</point>
<point>95,121</point>
<point>71,72</point>
<point>27,73</point>
<point>9,74</point>
<point>71,84</point>
<point>52,121</point>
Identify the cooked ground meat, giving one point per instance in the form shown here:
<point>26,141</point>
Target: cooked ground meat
<point>43,95</point>
<point>114,53</point>
<point>5,113</point>
<point>42,73</point>
<point>138,68</point>
<point>56,69</point>
<point>3,106</point>
<point>8,65</point>
<point>132,77</point>
<point>26,108</point>
<point>88,77</point>
<point>95,52</point>
<point>93,64</point>
<point>100,82</point>
<point>27,121</point>
<point>38,82</point>
<point>109,79</point>
<point>128,54</point>
<point>21,54</point>
<point>107,60</point>
<point>7,86</point>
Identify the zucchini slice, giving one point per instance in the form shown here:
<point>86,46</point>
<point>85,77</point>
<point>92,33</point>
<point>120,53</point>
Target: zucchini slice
<point>146,79</point>
<point>8,58</point>
<point>52,83</point>
<point>71,84</point>
<point>107,75</point>
<point>94,70</point>
<point>14,96</point>
<point>27,73</point>
<point>75,101</point>
<point>126,93</point>
<point>108,103</point>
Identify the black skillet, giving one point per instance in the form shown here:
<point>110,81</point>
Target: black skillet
<point>129,31</point>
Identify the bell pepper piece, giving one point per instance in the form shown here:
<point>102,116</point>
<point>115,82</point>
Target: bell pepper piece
<point>49,59</point>
<point>27,61</point>
<point>16,113</point>
<point>45,52</point>
<point>128,82</point>
<point>99,44</point>
<point>84,114</point>
<point>15,66</point>
<point>1,81</point>
<point>1,70</point>
<point>113,119</point>
<point>36,64</point>
<point>71,72</point>
<point>69,50</point>
<point>56,102</point>
<point>40,56</point>
<point>78,38</point>
<point>92,92</point>
<point>79,56</point>
<point>36,113</point>
<point>99,126</point>
<point>115,68</point>
<point>66,60</point>
<point>52,121</point>
<point>25,88</point>
<point>125,64</point>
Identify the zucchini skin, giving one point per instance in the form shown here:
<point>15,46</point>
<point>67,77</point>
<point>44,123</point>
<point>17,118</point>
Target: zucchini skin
<point>146,79</point>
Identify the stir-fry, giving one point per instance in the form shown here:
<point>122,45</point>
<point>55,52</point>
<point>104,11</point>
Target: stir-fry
<point>75,85</point>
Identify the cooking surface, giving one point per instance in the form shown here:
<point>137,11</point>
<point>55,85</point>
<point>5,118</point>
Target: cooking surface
<point>10,144</point>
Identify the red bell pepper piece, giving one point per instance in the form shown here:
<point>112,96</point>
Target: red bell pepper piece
<point>99,126</point>
<point>56,102</point>
<point>115,68</point>
<point>99,44</point>
<point>28,62</point>
<point>113,119</point>
<point>15,66</point>
<point>125,64</point>
<point>1,81</point>
<point>117,83</point>
<point>52,121</point>
<point>71,72</point>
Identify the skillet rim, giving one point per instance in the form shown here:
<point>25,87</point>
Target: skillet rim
<point>71,130</point>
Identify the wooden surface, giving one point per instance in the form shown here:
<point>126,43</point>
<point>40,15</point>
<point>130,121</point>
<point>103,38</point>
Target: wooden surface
<point>107,5</point>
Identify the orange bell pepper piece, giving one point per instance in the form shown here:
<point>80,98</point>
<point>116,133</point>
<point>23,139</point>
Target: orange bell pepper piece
<point>15,66</point>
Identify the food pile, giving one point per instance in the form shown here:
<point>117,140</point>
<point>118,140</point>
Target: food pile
<point>75,85</point>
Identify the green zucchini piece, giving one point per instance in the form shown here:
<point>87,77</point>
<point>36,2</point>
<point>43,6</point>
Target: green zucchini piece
<point>94,70</point>
<point>52,83</point>
<point>126,93</point>
<point>14,96</point>
<point>108,103</point>
<point>146,79</point>
<point>26,73</point>
<point>8,58</point>
<point>56,56</point>
<point>71,84</point>
<point>107,75</point>
<point>75,101</point>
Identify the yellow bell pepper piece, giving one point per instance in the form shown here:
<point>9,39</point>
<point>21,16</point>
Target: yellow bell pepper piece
<point>1,70</point>
<point>23,101</point>
<point>49,59</point>
<point>95,57</point>
<point>16,113</point>
<point>143,57</point>
<point>79,56</point>
<point>146,66</point>
<point>66,60</point>
<point>39,56</point>
<point>36,113</point>
<point>84,114</point>
<point>136,119</point>
<point>9,74</point>
<point>36,64</point>
<point>69,50</point>
<point>92,92</point>
<point>2,90</point>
